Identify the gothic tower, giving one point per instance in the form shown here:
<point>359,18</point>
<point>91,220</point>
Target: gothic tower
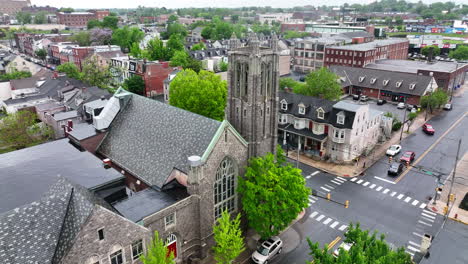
<point>253,82</point>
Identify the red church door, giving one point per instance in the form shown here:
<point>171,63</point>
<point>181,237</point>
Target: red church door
<point>172,244</point>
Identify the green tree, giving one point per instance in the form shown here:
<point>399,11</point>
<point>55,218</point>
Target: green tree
<point>41,53</point>
<point>180,58</point>
<point>290,83</point>
<point>234,18</point>
<point>273,193</point>
<point>172,19</point>
<point>93,23</point>
<point>365,248</point>
<point>194,65</point>
<point>95,75</point>
<point>15,75</point>
<point>228,237</point>
<point>134,84</point>
<point>441,97</point>
<point>294,34</point>
<point>207,32</point>
<point>321,83</point>
<point>40,18</point>
<point>425,51</point>
<point>174,28</point>
<point>136,51</point>
<point>70,69</point>
<point>199,46</point>
<point>66,9</point>
<point>157,252</point>
<point>24,18</point>
<point>460,53</point>
<point>110,22</point>
<point>156,50</point>
<point>126,36</point>
<point>175,42</point>
<point>223,66</point>
<point>203,93</point>
<point>83,38</point>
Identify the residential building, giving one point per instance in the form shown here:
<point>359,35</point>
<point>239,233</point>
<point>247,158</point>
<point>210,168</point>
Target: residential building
<point>292,27</point>
<point>309,53</point>
<point>385,85</point>
<point>448,75</point>
<point>336,29</point>
<point>11,7</point>
<point>167,84</point>
<point>18,63</point>
<point>80,19</point>
<point>360,55</point>
<point>276,17</point>
<point>153,73</point>
<point>120,69</point>
<point>104,58</point>
<point>54,50</point>
<point>81,53</point>
<point>321,129</point>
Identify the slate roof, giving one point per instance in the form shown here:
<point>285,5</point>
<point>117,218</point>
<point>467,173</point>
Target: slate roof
<point>43,231</point>
<point>413,66</point>
<point>353,76</point>
<point>208,53</point>
<point>311,103</point>
<point>370,45</point>
<point>39,167</point>
<point>144,203</point>
<point>82,131</point>
<point>149,139</point>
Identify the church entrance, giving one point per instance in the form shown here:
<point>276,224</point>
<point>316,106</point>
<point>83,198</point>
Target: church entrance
<point>171,243</point>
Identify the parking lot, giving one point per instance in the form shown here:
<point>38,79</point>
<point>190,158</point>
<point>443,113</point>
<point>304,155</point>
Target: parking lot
<point>388,107</point>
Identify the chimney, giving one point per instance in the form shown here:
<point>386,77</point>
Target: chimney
<point>107,163</point>
<point>70,125</point>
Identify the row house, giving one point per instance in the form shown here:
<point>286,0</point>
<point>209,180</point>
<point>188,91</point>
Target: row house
<point>29,43</point>
<point>360,55</point>
<point>153,73</point>
<point>54,50</point>
<point>327,130</point>
<point>81,53</point>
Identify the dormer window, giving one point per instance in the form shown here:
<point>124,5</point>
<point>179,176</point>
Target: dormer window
<point>284,105</point>
<point>361,78</point>
<point>385,82</point>
<point>301,109</point>
<point>320,113</point>
<point>398,84</point>
<point>372,81</point>
<point>340,118</point>
<point>412,86</point>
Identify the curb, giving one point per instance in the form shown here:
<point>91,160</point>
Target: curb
<point>458,220</point>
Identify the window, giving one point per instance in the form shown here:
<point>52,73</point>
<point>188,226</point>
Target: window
<point>318,129</point>
<point>284,105</point>
<point>101,234</point>
<point>361,78</point>
<point>137,249</point>
<point>372,81</point>
<point>301,109</point>
<point>412,86</point>
<point>116,257</point>
<point>385,82</point>
<point>283,119</point>
<point>169,220</point>
<point>224,193</point>
<point>398,84</point>
<point>340,119</point>
<point>320,113</point>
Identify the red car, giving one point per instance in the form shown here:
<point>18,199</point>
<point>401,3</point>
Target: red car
<point>428,129</point>
<point>408,156</point>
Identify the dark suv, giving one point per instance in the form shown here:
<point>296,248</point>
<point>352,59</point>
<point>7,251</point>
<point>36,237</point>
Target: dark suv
<point>395,168</point>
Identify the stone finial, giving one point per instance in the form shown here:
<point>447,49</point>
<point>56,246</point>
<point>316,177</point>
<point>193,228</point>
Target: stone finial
<point>253,41</point>
<point>274,41</point>
<point>234,42</point>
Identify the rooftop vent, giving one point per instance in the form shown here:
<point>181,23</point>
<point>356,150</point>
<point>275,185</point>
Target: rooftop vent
<point>398,84</point>
<point>412,86</point>
<point>361,78</point>
<point>385,82</point>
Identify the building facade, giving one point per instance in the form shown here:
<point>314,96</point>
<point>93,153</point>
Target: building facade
<point>309,54</point>
<point>11,7</point>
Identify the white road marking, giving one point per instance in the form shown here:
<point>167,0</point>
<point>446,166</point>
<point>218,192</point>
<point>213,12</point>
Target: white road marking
<point>379,188</point>
<point>325,189</point>
<point>407,199</point>
<point>386,191</point>
<point>428,216</point>
<point>423,205</point>
<point>315,173</point>
<point>343,227</point>
<point>353,179</point>
<point>385,180</point>
<point>393,194</point>
<point>326,222</point>
<point>340,179</point>
<point>428,219</point>
<point>372,186</point>
<point>400,196</point>
<point>322,193</point>
<point>412,248</point>
<point>412,254</point>
<point>308,177</point>
<point>416,234</point>
<point>336,182</point>
<point>414,244</point>
<point>320,218</point>
<point>329,186</point>
<point>424,223</point>
<point>334,224</point>
<point>415,202</point>
<point>429,212</point>
<point>360,181</point>
<point>311,202</point>
<point>313,197</point>
<point>366,183</point>
<point>312,215</point>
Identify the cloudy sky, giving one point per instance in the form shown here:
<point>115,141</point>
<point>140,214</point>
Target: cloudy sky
<point>195,3</point>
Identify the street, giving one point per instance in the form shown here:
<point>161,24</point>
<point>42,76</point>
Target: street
<point>397,206</point>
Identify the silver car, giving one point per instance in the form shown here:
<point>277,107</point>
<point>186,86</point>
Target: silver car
<point>267,250</point>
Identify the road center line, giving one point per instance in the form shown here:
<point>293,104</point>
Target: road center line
<point>432,146</point>
<point>315,173</point>
<point>385,180</point>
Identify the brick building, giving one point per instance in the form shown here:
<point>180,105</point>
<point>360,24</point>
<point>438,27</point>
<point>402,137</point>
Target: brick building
<point>80,19</point>
<point>293,27</point>
<point>360,55</point>
<point>81,53</point>
<point>12,7</point>
<point>153,73</point>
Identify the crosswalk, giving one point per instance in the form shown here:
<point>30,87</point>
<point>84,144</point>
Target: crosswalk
<point>387,191</point>
<point>426,220</point>
<point>328,221</point>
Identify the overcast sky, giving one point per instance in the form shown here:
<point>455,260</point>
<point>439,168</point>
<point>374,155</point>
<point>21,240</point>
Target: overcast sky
<point>196,3</point>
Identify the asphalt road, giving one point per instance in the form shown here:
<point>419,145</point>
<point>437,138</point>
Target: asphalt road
<point>398,207</point>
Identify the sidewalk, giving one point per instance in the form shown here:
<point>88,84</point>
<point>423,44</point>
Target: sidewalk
<point>364,162</point>
<point>458,189</point>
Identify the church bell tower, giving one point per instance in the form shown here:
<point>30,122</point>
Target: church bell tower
<point>253,82</point>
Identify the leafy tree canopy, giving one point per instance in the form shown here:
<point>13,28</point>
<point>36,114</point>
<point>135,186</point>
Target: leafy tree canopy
<point>134,84</point>
<point>83,38</point>
<point>180,58</point>
<point>41,53</point>
<point>110,22</point>
<point>174,28</point>
<point>460,53</point>
<point>199,46</point>
<point>435,100</point>
<point>290,83</point>
<point>93,74</point>
<point>228,237</point>
<point>40,18</point>
<point>126,36</point>
<point>273,193</point>
<point>24,17</point>
<point>425,51</point>
<point>157,252</point>
<point>203,93</point>
<point>321,83</point>
<point>15,75</point>
<point>70,69</point>
<point>294,34</point>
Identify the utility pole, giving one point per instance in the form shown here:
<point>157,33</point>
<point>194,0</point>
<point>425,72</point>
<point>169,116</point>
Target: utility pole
<point>453,177</point>
<point>430,96</point>
<point>454,82</point>
<point>404,121</point>
<point>298,148</point>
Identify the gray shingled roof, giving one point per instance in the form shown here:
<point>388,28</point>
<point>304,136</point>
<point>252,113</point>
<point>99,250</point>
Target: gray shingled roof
<point>413,66</point>
<point>149,139</point>
<point>370,45</point>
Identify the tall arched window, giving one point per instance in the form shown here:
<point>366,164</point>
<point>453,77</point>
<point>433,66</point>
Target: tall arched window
<point>224,187</point>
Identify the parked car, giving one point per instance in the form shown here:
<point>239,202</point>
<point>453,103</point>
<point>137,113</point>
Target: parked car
<point>395,168</point>
<point>345,246</point>
<point>409,107</point>
<point>355,97</point>
<point>393,150</point>
<point>364,98</point>
<point>448,107</point>
<point>414,110</point>
<point>401,105</point>
<point>408,156</point>
<point>381,101</point>
<point>267,250</point>
<point>428,129</point>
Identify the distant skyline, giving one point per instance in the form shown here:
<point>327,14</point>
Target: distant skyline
<point>198,3</point>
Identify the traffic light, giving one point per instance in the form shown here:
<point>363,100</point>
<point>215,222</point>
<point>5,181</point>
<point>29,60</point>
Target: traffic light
<point>328,196</point>
<point>452,197</point>
<point>346,204</point>
<point>445,209</point>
